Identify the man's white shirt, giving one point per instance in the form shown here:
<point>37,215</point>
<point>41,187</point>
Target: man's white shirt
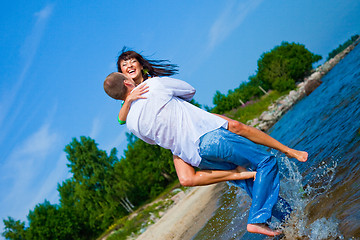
<point>167,119</point>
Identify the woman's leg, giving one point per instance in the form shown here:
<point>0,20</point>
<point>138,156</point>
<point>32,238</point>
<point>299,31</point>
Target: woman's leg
<point>259,137</point>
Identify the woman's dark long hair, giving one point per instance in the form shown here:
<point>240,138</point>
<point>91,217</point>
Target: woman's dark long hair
<point>152,68</point>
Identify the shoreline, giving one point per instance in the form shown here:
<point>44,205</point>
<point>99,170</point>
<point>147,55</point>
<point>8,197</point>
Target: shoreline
<point>282,105</point>
<point>185,218</point>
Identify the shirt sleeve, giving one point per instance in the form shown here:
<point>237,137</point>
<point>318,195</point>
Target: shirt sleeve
<point>179,88</point>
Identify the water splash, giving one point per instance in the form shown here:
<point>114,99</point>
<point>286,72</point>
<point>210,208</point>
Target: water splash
<point>300,225</point>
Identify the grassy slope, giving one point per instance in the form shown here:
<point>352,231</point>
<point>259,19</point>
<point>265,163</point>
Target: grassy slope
<point>135,223</point>
<point>254,110</point>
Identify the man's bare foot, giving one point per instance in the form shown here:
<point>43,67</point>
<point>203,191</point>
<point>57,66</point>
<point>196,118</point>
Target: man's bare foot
<point>299,155</point>
<point>262,228</point>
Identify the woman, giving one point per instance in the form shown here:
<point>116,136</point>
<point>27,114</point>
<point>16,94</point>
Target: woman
<point>139,69</point>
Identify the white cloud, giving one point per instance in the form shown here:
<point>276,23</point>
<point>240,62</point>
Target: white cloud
<point>45,12</point>
<point>31,44</point>
<point>37,145</point>
<point>229,19</point>
<point>112,67</point>
<point>28,52</point>
<point>118,142</point>
<point>23,171</point>
<point>48,188</point>
<point>96,127</point>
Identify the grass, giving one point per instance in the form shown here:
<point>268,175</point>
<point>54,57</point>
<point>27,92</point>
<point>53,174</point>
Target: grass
<point>137,224</point>
<point>254,110</point>
<point>134,224</point>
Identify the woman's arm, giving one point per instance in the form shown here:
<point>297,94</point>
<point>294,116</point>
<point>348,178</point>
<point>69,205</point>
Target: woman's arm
<point>189,177</point>
<point>134,95</point>
<point>179,88</point>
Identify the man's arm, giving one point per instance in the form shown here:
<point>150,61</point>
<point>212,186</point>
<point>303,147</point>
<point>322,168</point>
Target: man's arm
<point>189,177</point>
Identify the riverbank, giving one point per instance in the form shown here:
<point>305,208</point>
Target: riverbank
<point>268,118</point>
<point>185,218</point>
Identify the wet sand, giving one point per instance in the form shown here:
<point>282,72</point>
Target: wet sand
<point>183,220</point>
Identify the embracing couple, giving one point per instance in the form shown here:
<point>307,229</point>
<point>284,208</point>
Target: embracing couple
<point>156,109</point>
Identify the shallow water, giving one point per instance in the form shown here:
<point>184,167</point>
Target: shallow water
<point>324,192</point>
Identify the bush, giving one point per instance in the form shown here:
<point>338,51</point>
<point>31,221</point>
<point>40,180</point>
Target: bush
<point>283,84</point>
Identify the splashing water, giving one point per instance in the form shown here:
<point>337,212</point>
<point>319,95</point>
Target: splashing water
<point>323,192</point>
<point>301,225</point>
<point>229,220</point>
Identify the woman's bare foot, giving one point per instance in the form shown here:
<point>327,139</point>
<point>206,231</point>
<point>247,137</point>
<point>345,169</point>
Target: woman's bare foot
<point>262,228</point>
<point>299,155</point>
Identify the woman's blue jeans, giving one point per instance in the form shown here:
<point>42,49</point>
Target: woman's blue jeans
<point>223,150</point>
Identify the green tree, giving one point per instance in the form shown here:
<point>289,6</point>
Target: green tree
<point>148,169</point>
<point>14,230</point>
<point>194,102</point>
<point>74,219</point>
<point>218,98</point>
<point>282,84</point>
<point>246,91</point>
<point>342,47</point>
<point>120,188</point>
<point>285,64</point>
<point>91,169</point>
<point>48,221</point>
<point>278,69</point>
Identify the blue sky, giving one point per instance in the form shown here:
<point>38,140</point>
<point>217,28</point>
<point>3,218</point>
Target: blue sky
<point>56,54</point>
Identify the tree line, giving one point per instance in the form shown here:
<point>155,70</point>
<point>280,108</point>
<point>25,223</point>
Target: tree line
<point>342,47</point>
<point>278,69</point>
<point>104,188</point>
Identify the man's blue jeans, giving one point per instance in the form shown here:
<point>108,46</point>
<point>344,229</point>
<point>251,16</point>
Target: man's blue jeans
<point>223,150</point>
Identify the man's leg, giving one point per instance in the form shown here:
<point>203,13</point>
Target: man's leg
<point>281,210</point>
<point>225,147</point>
<point>189,177</point>
<point>261,228</point>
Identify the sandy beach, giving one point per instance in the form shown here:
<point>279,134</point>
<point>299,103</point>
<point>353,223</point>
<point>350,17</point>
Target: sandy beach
<point>184,219</point>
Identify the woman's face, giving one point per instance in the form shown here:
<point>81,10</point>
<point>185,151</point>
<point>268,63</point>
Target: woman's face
<point>133,69</point>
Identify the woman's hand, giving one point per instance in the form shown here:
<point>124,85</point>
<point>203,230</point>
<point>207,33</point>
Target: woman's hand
<point>137,93</point>
<point>134,95</point>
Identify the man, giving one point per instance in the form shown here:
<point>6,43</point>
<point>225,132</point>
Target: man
<point>163,116</point>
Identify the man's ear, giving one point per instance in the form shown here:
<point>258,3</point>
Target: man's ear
<point>127,83</point>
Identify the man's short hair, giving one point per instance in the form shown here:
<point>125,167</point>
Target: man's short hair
<point>114,86</point>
